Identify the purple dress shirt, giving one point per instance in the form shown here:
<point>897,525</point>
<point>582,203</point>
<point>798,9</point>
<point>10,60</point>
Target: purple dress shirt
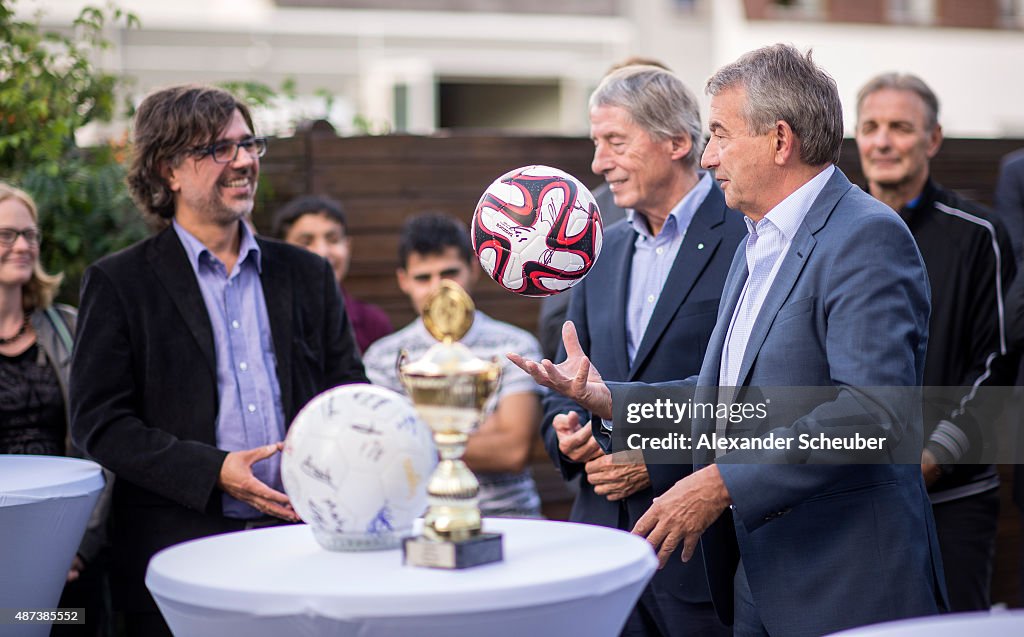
<point>368,321</point>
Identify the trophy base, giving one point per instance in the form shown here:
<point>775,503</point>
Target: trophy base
<point>476,551</point>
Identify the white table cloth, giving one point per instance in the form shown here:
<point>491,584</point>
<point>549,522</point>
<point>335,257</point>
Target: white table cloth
<point>45,503</point>
<point>994,624</point>
<point>557,578</point>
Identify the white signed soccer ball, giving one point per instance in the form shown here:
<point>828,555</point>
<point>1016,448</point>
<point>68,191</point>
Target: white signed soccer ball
<point>537,231</point>
<point>355,466</point>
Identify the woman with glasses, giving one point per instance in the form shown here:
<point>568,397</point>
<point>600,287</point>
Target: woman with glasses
<point>35,358</point>
<point>35,337</point>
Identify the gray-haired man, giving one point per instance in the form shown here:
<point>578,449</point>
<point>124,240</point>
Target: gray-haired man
<point>793,548</point>
<point>970,265</point>
<point>646,312</point>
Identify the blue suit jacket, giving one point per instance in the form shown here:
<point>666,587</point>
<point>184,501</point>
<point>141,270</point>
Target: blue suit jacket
<point>674,343</point>
<point>827,547</point>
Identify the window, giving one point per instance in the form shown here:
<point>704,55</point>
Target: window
<point>797,9</point>
<point>1011,13</point>
<point>401,107</point>
<point>912,11</point>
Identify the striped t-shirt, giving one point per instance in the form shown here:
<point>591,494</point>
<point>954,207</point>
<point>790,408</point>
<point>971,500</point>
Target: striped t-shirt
<point>503,494</point>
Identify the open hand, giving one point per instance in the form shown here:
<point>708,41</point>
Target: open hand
<point>237,480</point>
<point>574,378</point>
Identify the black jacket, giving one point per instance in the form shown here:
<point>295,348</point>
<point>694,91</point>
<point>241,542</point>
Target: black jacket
<point>970,265</point>
<point>144,384</point>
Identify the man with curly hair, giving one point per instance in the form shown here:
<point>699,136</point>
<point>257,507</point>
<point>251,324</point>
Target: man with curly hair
<point>197,346</point>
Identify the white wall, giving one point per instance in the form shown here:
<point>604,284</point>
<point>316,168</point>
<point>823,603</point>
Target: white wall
<point>360,55</point>
<point>977,74</point>
<point>357,55</point>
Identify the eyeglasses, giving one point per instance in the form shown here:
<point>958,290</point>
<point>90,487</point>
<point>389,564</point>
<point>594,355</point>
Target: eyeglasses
<point>225,152</point>
<point>9,235</point>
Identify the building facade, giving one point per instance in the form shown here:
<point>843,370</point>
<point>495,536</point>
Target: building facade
<point>527,66</point>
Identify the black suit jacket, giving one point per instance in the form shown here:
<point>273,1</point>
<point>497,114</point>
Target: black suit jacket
<point>673,346</point>
<point>144,385</point>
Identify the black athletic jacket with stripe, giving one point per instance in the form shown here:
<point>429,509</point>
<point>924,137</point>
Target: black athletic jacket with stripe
<point>970,265</point>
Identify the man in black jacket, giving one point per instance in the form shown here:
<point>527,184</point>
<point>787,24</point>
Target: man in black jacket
<point>197,347</point>
<point>970,266</point>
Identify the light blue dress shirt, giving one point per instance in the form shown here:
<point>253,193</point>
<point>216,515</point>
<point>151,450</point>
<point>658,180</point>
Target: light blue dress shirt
<point>653,258</point>
<point>249,412</point>
<point>785,218</point>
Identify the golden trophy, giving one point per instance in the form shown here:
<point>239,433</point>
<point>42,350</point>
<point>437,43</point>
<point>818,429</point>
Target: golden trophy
<point>450,388</point>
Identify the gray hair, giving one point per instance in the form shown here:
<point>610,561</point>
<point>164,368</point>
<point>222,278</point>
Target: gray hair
<point>903,82</point>
<point>784,84</point>
<point>657,101</point>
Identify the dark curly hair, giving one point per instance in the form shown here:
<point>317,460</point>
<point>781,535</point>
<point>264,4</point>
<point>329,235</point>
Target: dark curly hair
<point>431,233</point>
<point>169,124</point>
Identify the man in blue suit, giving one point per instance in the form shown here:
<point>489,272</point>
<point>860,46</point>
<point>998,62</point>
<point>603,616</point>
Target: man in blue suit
<point>646,312</point>
<point>829,290</point>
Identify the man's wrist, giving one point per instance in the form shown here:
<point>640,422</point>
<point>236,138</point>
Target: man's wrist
<point>717,483</point>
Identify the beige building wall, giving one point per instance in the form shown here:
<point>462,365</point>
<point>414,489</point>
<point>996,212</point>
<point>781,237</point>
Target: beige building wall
<point>379,64</point>
<point>975,72</point>
<point>360,56</point>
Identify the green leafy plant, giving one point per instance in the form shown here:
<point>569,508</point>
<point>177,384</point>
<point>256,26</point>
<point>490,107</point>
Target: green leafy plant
<point>85,213</point>
<point>49,89</point>
<point>259,94</point>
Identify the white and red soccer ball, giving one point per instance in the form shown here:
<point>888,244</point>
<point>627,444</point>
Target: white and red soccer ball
<point>537,231</point>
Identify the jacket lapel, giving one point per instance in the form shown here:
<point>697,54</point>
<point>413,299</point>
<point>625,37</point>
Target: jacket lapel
<point>278,296</point>
<point>701,241</point>
<point>734,281</point>
<point>792,265</point>
<point>785,278</point>
<point>618,292</point>
<point>171,266</point>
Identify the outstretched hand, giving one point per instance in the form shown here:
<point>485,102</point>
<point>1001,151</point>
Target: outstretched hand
<point>574,378</point>
<point>238,481</point>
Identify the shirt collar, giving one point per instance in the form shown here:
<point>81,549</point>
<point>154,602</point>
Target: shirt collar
<point>248,248</point>
<point>926,195</point>
<point>682,214</point>
<point>791,211</point>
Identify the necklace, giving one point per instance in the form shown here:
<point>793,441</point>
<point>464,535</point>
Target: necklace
<point>21,331</point>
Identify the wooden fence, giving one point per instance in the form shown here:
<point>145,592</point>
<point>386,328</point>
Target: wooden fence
<point>383,180</point>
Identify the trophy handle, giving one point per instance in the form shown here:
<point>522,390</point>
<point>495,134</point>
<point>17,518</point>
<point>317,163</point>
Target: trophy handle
<point>500,370</point>
<point>400,361</point>
<point>492,401</point>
